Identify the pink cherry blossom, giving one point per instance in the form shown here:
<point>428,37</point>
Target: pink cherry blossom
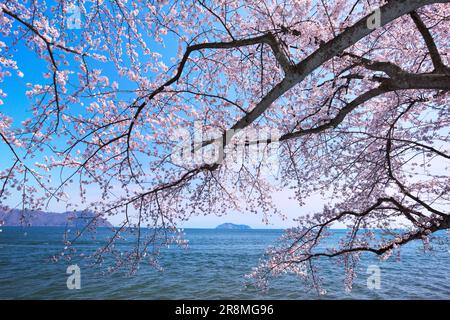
<point>363,116</point>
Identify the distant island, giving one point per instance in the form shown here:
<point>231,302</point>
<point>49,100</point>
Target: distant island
<point>33,218</point>
<point>232,226</point>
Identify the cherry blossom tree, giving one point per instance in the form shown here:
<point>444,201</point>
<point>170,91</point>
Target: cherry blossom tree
<point>358,91</point>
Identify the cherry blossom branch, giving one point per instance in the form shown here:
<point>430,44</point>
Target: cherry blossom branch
<point>281,69</point>
<point>431,45</point>
<point>48,45</point>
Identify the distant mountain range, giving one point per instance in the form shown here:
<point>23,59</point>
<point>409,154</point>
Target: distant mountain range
<point>232,226</point>
<point>33,218</point>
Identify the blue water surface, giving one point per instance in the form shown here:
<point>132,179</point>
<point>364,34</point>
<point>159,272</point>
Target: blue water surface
<point>212,267</point>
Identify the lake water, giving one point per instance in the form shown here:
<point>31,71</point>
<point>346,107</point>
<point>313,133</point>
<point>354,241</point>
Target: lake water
<point>212,267</point>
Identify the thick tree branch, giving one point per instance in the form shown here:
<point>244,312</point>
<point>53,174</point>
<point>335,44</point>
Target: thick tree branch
<point>266,38</point>
<point>431,45</point>
<point>389,12</point>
